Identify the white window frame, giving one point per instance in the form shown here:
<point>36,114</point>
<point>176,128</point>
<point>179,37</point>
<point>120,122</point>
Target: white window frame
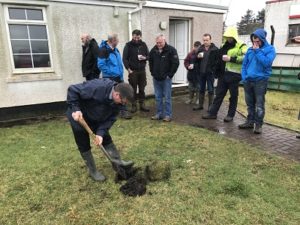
<point>9,21</point>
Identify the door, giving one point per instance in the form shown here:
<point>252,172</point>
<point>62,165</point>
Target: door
<point>179,35</point>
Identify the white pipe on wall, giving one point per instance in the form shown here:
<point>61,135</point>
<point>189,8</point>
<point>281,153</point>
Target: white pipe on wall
<point>139,8</point>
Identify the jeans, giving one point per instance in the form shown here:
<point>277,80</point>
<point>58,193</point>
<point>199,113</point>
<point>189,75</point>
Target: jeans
<point>163,91</point>
<point>221,90</point>
<point>81,136</point>
<point>137,79</point>
<point>255,99</point>
<point>206,78</point>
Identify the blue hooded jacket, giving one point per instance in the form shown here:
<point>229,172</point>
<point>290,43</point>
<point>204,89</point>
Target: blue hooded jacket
<point>257,64</point>
<point>110,61</point>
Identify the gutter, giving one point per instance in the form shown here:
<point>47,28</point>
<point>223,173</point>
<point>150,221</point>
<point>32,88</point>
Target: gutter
<point>137,9</point>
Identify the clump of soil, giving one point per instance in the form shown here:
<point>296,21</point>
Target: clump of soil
<point>138,178</point>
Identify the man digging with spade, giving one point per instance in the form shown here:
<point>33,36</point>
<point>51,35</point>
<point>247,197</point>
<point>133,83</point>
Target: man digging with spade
<point>98,101</point>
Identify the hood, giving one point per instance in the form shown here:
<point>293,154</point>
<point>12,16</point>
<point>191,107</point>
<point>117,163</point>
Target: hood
<point>103,43</point>
<point>231,32</point>
<point>261,34</point>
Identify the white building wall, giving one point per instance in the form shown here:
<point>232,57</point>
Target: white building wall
<point>277,14</point>
<point>66,22</point>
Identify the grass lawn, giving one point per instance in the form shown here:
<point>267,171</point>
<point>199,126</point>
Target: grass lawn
<point>214,180</point>
<point>282,108</point>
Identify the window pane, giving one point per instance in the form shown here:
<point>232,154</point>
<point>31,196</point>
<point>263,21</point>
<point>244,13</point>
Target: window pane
<point>39,46</point>
<point>17,14</point>
<point>34,14</point>
<point>294,33</point>
<point>22,61</point>
<point>18,31</point>
<point>41,61</point>
<point>20,46</point>
<point>37,32</point>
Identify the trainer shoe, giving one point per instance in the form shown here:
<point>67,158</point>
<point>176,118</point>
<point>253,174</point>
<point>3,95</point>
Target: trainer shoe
<point>257,129</point>
<point>228,119</point>
<point>246,125</point>
<point>167,119</point>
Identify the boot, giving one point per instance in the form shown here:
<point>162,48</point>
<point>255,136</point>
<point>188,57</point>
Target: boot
<point>114,154</point>
<point>90,163</point>
<point>125,114</point>
<point>199,106</point>
<point>210,100</point>
<point>133,107</point>
<point>191,97</point>
<point>209,116</point>
<point>143,107</point>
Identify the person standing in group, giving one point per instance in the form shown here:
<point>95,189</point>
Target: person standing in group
<point>208,56</point>
<point>228,71</point>
<point>191,64</point>
<point>110,63</point>
<point>98,102</point>
<point>163,62</point>
<point>135,56</point>
<point>256,70</point>
<point>90,53</point>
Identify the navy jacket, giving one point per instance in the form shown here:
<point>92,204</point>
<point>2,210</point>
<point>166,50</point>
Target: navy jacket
<point>257,64</point>
<point>92,98</point>
<point>164,64</point>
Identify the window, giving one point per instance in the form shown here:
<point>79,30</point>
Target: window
<point>28,38</point>
<point>294,34</point>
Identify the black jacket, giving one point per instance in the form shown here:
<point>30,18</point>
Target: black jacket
<point>164,64</point>
<point>212,61</point>
<point>92,98</point>
<point>90,55</point>
<point>130,55</point>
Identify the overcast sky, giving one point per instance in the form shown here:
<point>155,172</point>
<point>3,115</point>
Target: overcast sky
<point>237,8</point>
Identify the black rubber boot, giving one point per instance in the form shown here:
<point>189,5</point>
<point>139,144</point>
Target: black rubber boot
<point>115,155</point>
<point>143,107</point>
<point>133,107</point>
<point>199,106</point>
<point>210,100</point>
<point>90,163</point>
<point>191,97</point>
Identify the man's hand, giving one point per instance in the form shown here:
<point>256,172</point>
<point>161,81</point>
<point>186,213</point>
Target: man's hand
<point>98,140</point>
<point>130,71</point>
<point>255,45</point>
<point>77,115</point>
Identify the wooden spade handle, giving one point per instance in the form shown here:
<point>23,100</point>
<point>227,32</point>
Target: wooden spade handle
<point>86,127</point>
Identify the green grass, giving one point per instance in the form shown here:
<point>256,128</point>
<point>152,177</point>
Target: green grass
<point>282,108</point>
<point>214,180</point>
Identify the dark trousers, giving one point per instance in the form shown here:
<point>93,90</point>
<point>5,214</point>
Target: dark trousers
<point>82,138</point>
<point>222,88</point>
<point>92,76</point>
<point>138,80</point>
<point>206,78</point>
<point>255,92</point>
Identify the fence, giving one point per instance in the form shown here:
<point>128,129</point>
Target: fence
<point>285,79</point>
